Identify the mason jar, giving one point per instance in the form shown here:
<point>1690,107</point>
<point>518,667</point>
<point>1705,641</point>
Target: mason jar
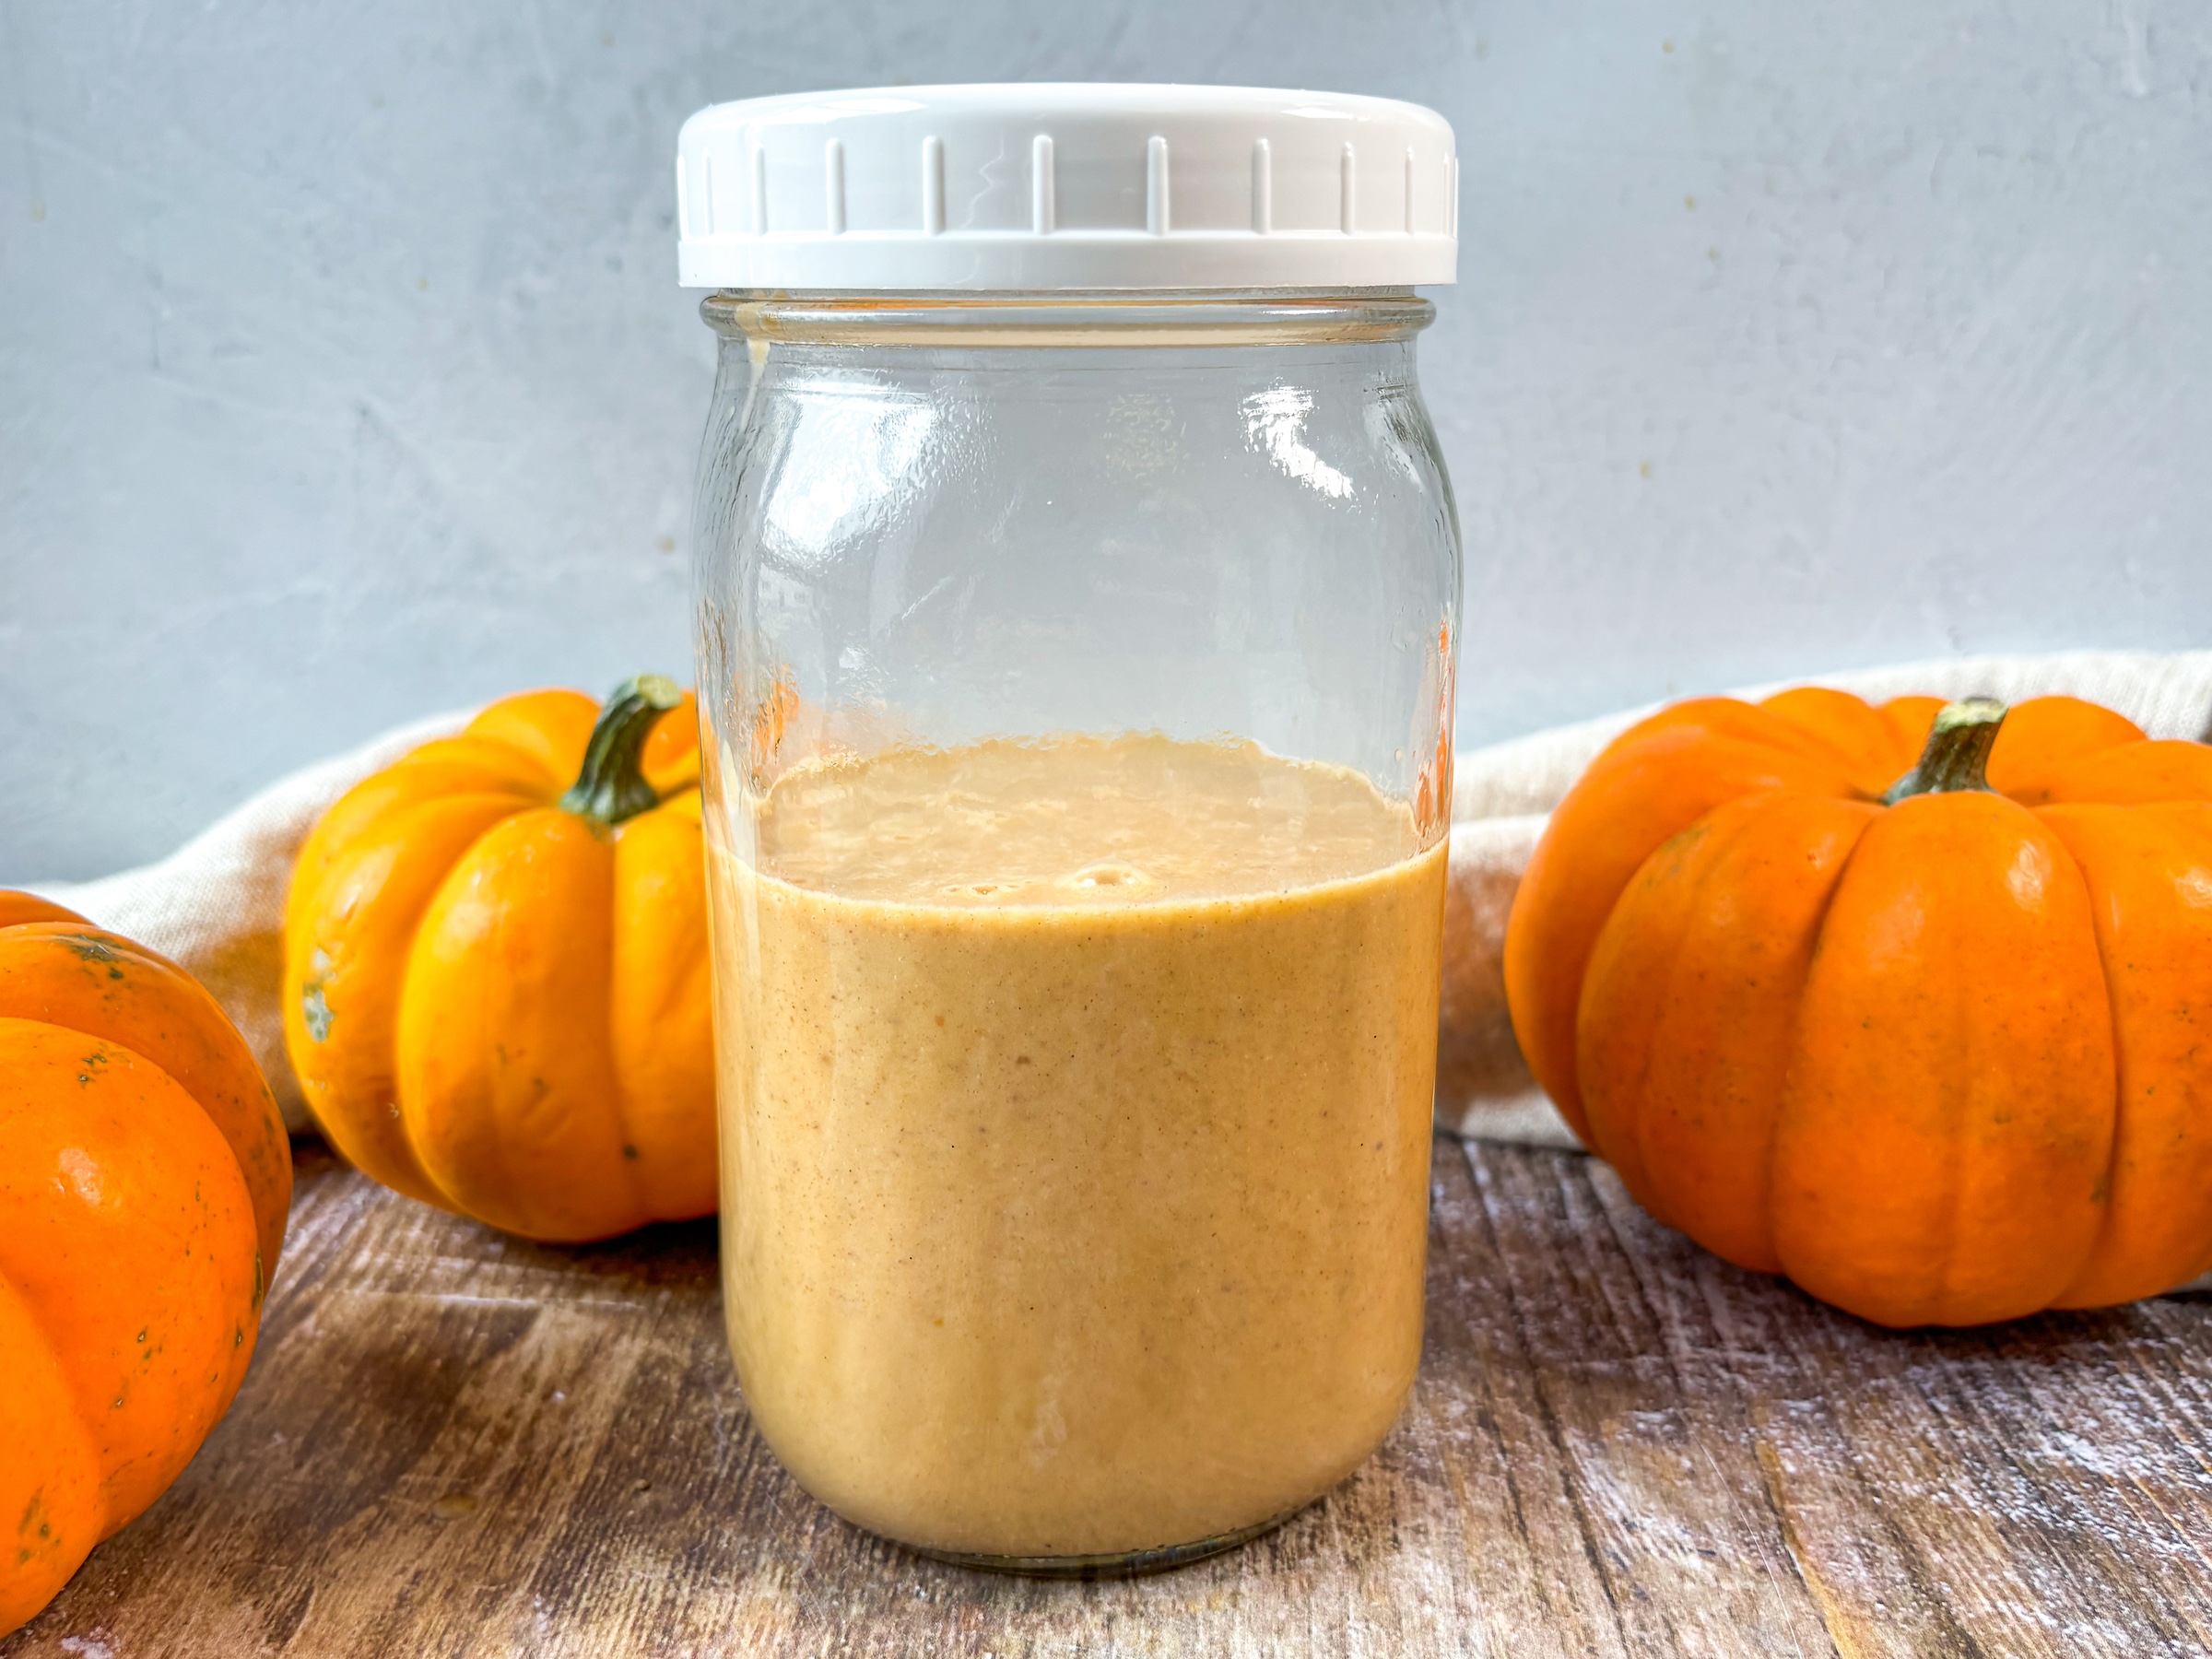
<point>1078,584</point>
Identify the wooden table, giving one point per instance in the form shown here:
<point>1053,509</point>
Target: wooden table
<point>455,1443</point>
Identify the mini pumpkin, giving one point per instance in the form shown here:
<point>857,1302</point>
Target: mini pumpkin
<point>1932,1037</point>
<point>145,1178</point>
<point>496,992</point>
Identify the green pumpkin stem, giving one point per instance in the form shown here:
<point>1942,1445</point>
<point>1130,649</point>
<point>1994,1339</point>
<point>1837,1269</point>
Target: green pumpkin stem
<point>1958,753</point>
<point>610,787</point>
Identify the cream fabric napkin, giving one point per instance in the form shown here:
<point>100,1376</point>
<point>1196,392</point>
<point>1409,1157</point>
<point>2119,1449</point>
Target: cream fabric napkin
<point>216,904</point>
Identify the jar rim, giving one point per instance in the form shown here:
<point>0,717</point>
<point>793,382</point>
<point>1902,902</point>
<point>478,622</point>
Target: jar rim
<point>1059,319</point>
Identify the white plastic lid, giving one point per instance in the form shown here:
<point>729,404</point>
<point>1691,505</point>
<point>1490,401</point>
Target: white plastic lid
<point>1069,185</point>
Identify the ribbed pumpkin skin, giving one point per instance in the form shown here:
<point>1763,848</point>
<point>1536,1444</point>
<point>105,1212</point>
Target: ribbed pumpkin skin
<point>500,1005</point>
<point>145,1178</point>
<point>1944,1062</point>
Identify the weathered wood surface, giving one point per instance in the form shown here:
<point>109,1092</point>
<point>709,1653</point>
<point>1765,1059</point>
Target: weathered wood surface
<point>454,1443</point>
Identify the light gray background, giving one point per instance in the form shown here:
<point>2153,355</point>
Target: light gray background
<point>343,374</point>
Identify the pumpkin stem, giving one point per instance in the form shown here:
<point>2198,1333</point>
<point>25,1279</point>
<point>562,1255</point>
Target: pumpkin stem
<point>611,787</point>
<point>1958,751</point>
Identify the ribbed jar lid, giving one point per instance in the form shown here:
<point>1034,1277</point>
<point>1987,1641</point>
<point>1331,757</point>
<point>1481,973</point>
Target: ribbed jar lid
<point>1065,187</point>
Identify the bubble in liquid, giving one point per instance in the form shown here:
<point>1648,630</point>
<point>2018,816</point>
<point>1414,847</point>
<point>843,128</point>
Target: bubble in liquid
<point>1106,874</point>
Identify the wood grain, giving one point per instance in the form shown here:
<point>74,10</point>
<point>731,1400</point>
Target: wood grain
<point>456,1444</point>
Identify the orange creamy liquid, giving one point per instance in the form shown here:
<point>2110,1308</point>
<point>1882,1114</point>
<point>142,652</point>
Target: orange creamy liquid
<point>1075,1111</point>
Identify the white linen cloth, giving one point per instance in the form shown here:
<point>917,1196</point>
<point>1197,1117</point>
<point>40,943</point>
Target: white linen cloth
<point>216,904</point>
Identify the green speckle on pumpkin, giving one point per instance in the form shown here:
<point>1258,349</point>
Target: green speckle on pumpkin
<point>315,1010</point>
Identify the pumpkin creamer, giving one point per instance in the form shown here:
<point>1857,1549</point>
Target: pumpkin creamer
<point>1075,1105</point>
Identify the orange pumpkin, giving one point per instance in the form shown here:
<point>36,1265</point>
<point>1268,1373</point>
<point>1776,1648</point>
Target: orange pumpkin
<point>1937,1046</point>
<point>496,992</point>
<point>145,1178</point>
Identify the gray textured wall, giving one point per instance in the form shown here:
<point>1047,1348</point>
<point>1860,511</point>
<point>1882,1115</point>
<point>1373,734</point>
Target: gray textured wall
<point>345,377</point>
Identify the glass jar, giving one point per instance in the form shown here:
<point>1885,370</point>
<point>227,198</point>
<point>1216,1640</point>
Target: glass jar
<point>1076,682</point>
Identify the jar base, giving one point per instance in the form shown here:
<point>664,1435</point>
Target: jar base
<point>1114,1564</point>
